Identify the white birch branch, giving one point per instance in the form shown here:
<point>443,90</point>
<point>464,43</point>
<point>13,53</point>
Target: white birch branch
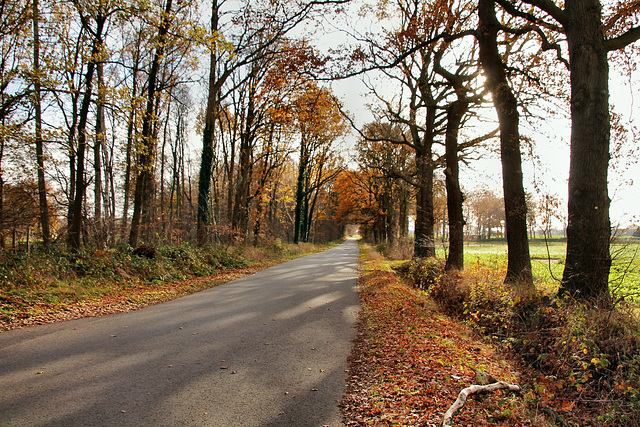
<point>447,421</point>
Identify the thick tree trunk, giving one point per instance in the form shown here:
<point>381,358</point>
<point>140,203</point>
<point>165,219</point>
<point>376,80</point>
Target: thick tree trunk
<point>588,261</point>
<point>208,135</point>
<point>456,112</point>
<point>42,188</point>
<point>519,261</point>
<point>424,246</point>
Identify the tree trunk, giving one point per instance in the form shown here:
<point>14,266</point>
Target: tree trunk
<point>297,221</point>
<point>97,155</point>
<point>75,230</point>
<point>2,221</point>
<point>424,246</point>
<point>239,221</point>
<point>208,136</point>
<point>42,188</point>
<point>586,273</point>
<point>147,150</point>
<point>519,261</point>
<point>455,113</point>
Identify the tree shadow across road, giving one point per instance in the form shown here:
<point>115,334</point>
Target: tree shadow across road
<point>266,350</point>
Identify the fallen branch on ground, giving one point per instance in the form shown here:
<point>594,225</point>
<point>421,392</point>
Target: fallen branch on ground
<point>465,393</point>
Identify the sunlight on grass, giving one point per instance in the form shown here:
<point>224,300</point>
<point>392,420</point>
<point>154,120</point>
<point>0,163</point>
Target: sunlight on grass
<point>547,263</point>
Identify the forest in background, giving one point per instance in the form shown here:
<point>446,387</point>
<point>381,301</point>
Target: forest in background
<point>105,110</point>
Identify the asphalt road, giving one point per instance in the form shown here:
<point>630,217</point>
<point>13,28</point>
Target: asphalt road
<point>266,350</point>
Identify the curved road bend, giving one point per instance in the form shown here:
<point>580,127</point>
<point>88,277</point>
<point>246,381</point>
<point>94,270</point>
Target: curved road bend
<point>266,350</point>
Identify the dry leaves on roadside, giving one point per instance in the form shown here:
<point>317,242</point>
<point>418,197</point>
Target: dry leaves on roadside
<point>410,362</point>
<point>38,312</point>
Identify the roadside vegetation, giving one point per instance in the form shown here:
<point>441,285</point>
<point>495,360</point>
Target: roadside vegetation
<point>44,287</point>
<point>422,332</point>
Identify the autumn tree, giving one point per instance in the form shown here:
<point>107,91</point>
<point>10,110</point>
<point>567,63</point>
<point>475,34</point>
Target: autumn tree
<point>588,42</point>
<point>506,105</point>
<point>94,20</point>
<point>15,86</point>
<point>386,170</point>
<point>166,42</point>
<point>39,143</point>
<point>257,28</point>
<point>320,125</point>
<point>408,52</point>
<point>263,110</point>
<point>461,74</point>
<point>488,211</point>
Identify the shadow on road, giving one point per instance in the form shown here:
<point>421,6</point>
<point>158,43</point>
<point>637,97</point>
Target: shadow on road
<point>266,350</point>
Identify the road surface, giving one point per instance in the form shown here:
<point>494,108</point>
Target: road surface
<point>267,350</point>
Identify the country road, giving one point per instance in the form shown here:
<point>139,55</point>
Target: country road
<point>267,350</point>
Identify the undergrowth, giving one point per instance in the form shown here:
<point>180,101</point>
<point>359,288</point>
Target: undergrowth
<point>578,364</point>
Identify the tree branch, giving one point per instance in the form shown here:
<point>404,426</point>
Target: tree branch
<point>551,8</point>
<point>514,11</point>
<point>447,421</point>
<point>623,40</point>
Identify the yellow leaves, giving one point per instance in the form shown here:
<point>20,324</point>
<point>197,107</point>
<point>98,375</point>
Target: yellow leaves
<point>214,42</point>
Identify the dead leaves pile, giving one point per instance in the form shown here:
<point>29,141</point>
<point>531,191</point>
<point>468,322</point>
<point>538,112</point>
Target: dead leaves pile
<point>410,362</point>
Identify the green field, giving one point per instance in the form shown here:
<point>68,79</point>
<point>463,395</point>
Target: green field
<point>547,259</point>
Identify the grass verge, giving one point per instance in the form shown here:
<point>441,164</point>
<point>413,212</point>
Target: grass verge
<point>576,364</point>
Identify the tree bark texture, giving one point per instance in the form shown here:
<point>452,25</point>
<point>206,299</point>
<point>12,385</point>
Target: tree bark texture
<point>455,113</point>
<point>519,261</point>
<point>588,261</point>
<point>424,246</point>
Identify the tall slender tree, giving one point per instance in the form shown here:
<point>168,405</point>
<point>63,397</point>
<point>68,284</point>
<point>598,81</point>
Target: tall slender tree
<point>37,95</point>
<point>506,105</point>
<point>146,151</point>
<point>101,17</point>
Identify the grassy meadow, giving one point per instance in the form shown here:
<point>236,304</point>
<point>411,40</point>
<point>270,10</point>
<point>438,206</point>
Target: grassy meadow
<point>547,262</point>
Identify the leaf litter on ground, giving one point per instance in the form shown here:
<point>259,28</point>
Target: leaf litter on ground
<point>410,362</point>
